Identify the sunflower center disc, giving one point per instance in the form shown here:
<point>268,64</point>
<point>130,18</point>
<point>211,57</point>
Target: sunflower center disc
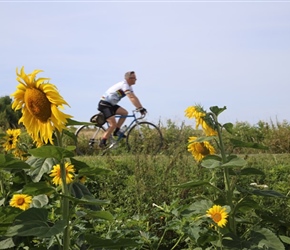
<point>37,104</point>
<point>20,201</point>
<point>216,217</point>
<point>202,149</point>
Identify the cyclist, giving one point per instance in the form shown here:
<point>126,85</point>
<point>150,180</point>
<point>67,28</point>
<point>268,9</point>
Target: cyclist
<point>108,105</point>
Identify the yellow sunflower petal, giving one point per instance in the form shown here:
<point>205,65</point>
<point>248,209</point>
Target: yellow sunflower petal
<point>39,102</point>
<point>56,173</point>
<point>21,201</point>
<point>218,214</point>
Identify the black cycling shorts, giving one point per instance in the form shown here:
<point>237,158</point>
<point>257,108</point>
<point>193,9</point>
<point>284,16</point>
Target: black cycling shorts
<point>107,108</point>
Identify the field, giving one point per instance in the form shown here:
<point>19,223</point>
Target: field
<point>147,194</point>
<point>136,183</point>
<point>137,201</point>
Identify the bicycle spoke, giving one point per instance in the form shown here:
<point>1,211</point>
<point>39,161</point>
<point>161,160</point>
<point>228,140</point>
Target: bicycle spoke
<point>88,139</point>
<point>144,137</point>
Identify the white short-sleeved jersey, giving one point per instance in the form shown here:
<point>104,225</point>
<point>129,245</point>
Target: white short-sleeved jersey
<point>115,93</point>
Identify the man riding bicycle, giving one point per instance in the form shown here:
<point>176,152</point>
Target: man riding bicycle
<point>109,107</point>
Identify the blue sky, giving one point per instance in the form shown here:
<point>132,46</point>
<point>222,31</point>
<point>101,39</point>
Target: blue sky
<point>214,53</point>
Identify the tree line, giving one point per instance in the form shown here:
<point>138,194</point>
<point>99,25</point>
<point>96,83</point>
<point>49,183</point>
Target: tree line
<point>8,117</point>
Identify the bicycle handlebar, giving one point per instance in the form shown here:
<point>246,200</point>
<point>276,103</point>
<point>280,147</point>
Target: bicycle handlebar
<point>138,110</point>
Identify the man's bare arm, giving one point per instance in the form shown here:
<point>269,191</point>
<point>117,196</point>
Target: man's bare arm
<point>134,99</point>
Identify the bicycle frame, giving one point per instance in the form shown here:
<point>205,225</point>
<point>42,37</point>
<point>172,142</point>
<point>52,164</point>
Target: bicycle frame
<point>136,128</point>
<point>135,120</point>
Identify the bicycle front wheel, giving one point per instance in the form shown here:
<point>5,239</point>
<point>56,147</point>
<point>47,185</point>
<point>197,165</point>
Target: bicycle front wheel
<point>88,139</point>
<point>144,137</point>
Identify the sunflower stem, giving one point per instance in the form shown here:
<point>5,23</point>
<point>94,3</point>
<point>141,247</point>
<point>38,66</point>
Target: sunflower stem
<point>65,200</point>
<point>228,189</point>
<point>65,207</point>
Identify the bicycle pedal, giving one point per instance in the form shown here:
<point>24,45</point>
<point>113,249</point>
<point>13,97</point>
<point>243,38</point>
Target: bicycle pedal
<point>113,145</point>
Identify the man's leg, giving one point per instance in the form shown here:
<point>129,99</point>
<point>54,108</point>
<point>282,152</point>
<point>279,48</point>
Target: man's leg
<point>108,111</point>
<point>123,112</point>
<point>112,126</point>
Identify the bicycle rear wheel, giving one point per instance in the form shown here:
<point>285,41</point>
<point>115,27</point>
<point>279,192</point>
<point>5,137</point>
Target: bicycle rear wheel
<point>88,139</point>
<point>144,137</point>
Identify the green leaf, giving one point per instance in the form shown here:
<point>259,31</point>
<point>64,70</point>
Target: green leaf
<point>37,188</point>
<point>241,144</point>
<point>216,110</point>
<point>33,222</point>
<point>246,204</point>
<point>7,161</point>
<point>285,239</point>
<point>87,199</point>
<point>273,218</point>
<point>40,166</point>
<point>56,152</point>
<point>7,244</point>
<point>203,138</point>
<point>210,163</point>
<point>228,127</point>
<point>79,190</point>
<point>200,207</point>
<point>40,201</point>
<point>266,239</point>
<point>231,241</point>
<point>268,193</point>
<point>70,134</point>
<point>71,122</point>
<point>7,216</point>
<point>93,171</point>
<point>235,162</point>
<point>101,215</point>
<point>96,242</point>
<point>251,171</point>
<point>84,169</point>
<point>193,184</point>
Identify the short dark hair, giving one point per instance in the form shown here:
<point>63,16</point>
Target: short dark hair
<point>128,74</point>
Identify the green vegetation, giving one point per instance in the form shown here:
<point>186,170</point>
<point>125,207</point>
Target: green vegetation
<point>140,202</point>
<point>8,117</point>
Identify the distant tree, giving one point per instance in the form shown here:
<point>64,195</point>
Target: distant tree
<point>8,117</point>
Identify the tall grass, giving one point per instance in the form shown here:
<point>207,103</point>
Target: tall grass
<point>139,183</point>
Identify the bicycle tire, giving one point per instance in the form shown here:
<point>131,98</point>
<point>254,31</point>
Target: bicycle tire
<point>88,139</point>
<point>144,137</point>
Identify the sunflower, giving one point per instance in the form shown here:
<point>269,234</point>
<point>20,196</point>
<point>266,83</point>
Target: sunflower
<point>19,153</point>
<point>201,119</point>
<point>12,136</point>
<point>39,102</point>
<point>218,214</point>
<point>56,173</point>
<point>197,113</point>
<point>82,179</point>
<point>21,201</point>
<point>199,149</point>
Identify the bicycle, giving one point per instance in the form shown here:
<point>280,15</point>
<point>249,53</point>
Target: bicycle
<point>141,137</point>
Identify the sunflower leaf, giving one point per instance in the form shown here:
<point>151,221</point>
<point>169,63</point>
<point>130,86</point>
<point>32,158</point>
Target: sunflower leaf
<point>235,162</point>
<point>241,144</point>
<point>100,215</point>
<point>51,152</point>
<point>37,188</point>
<point>87,199</point>
<point>7,161</point>
<point>265,239</point>
<point>216,110</point>
<point>33,222</point>
<point>40,166</point>
<point>228,127</point>
<point>71,122</point>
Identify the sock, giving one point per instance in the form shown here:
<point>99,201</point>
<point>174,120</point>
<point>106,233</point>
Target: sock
<point>104,141</point>
<point>116,131</point>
